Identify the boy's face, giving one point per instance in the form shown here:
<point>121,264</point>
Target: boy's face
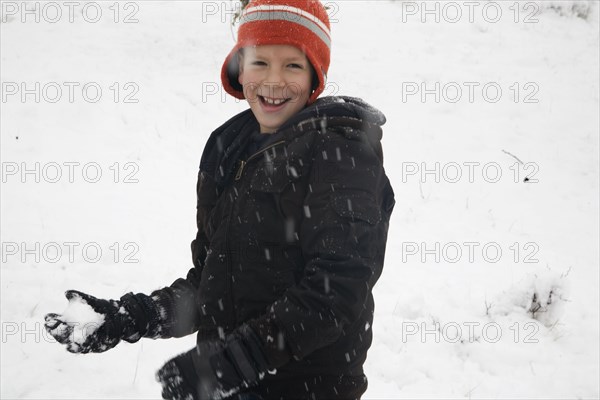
<point>276,81</point>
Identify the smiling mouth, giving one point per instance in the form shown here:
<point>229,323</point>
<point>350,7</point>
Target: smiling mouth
<point>272,102</point>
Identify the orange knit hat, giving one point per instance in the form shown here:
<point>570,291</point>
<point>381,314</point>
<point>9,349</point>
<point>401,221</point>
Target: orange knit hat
<point>300,23</point>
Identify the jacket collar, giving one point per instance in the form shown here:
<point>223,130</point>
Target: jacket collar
<point>226,144</point>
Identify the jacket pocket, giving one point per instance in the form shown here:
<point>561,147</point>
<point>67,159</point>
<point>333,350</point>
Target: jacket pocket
<point>273,178</point>
<point>362,235</point>
<point>206,189</point>
<point>357,206</point>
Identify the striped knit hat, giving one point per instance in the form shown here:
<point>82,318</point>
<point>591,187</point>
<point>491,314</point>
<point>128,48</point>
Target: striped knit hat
<point>300,23</point>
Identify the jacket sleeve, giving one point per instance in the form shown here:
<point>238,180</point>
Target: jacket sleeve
<point>343,237</point>
<point>176,305</point>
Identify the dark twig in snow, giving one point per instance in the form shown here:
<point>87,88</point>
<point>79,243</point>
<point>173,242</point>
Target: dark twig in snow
<point>513,156</point>
<point>488,307</point>
<point>520,162</point>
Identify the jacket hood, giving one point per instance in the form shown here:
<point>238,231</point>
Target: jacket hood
<point>339,106</point>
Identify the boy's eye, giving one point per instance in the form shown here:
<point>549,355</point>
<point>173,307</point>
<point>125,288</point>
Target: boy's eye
<point>294,65</point>
<point>259,63</point>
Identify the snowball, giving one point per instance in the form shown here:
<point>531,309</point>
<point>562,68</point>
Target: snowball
<point>82,317</point>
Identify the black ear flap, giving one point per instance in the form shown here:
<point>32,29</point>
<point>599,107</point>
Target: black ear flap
<point>314,78</point>
<point>233,72</point>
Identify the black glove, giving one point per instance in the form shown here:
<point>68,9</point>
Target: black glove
<point>129,319</point>
<point>215,369</point>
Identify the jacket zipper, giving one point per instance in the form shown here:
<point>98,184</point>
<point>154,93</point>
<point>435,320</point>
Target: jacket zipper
<point>238,174</point>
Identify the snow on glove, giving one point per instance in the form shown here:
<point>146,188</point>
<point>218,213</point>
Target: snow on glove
<point>96,325</point>
<point>215,369</point>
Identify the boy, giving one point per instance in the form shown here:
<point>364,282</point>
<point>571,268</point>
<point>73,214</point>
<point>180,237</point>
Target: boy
<point>292,212</point>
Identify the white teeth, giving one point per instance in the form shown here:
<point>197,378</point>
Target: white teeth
<point>273,101</point>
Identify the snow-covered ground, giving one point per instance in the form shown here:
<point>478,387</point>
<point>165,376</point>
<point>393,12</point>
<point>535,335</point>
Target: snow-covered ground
<point>470,242</point>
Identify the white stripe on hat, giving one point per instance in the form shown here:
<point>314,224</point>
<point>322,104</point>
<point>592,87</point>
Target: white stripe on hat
<point>275,7</point>
<point>308,20</point>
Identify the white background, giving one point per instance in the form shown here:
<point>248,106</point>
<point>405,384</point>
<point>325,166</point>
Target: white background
<point>447,324</point>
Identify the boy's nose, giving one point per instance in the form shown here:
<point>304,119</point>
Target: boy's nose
<point>275,78</point>
<point>274,84</point>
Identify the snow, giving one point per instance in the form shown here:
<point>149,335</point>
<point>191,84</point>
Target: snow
<point>82,318</point>
<point>468,246</point>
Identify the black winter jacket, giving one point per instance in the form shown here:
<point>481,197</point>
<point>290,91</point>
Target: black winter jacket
<point>291,238</point>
